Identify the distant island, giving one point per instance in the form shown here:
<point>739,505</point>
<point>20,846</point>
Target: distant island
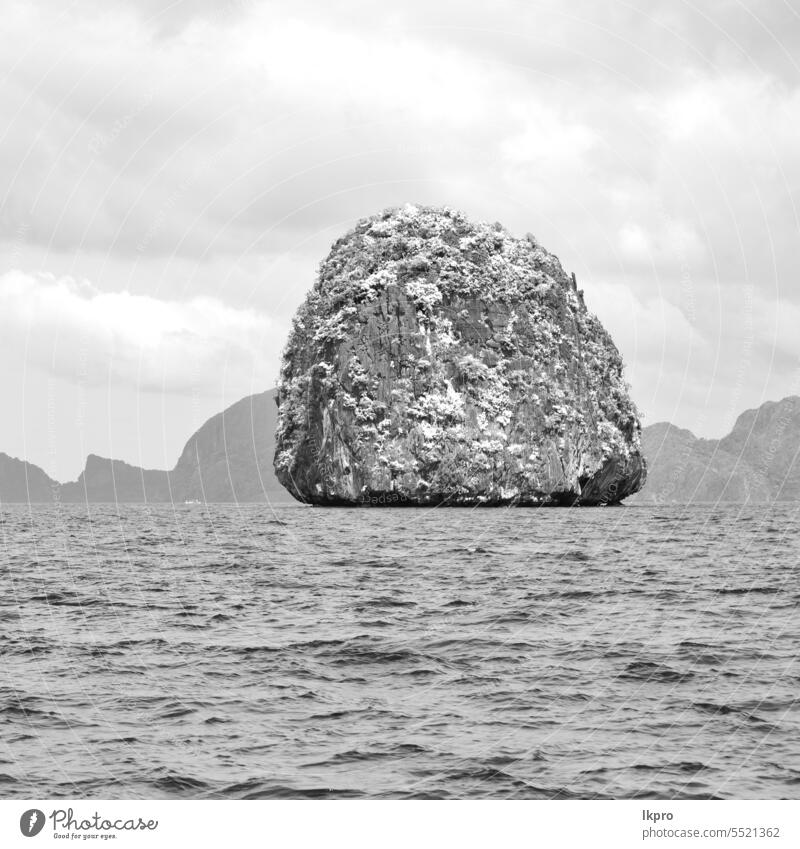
<point>758,461</point>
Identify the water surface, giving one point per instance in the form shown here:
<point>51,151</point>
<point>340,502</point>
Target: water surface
<point>255,652</point>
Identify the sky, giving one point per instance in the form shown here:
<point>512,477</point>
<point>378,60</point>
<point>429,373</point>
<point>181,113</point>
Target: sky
<point>171,175</point>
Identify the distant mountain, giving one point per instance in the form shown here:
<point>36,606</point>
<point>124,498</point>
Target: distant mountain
<point>228,459</point>
<point>21,481</point>
<point>758,461</point>
<point>104,480</point>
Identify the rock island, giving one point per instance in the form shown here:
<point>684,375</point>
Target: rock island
<point>438,361</point>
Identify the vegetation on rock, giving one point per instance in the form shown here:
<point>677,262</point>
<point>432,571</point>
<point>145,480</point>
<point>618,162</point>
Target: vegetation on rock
<point>446,361</point>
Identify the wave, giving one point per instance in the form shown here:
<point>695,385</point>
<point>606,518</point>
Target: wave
<point>648,670</point>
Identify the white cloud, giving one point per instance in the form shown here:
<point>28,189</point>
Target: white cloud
<point>714,106</point>
<point>651,331</point>
<point>547,138</point>
<point>71,329</point>
<point>666,244</point>
<point>634,243</point>
<point>388,75</point>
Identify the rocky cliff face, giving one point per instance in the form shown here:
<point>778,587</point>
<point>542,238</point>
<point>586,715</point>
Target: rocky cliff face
<point>438,361</point>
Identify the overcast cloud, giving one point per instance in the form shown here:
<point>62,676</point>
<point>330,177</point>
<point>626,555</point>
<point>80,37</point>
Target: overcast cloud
<point>171,175</point>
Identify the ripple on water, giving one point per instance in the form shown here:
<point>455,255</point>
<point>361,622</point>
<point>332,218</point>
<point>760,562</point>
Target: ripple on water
<point>246,653</point>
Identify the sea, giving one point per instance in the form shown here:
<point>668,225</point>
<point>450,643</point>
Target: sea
<point>255,651</point>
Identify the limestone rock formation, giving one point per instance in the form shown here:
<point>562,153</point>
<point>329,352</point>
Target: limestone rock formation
<point>439,361</point>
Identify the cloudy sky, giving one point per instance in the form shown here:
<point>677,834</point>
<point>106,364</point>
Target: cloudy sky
<point>172,173</point>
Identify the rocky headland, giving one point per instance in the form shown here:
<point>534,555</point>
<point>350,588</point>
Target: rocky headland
<point>441,361</point>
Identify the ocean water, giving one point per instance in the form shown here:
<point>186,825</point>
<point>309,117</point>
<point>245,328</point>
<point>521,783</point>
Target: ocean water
<point>256,652</point>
